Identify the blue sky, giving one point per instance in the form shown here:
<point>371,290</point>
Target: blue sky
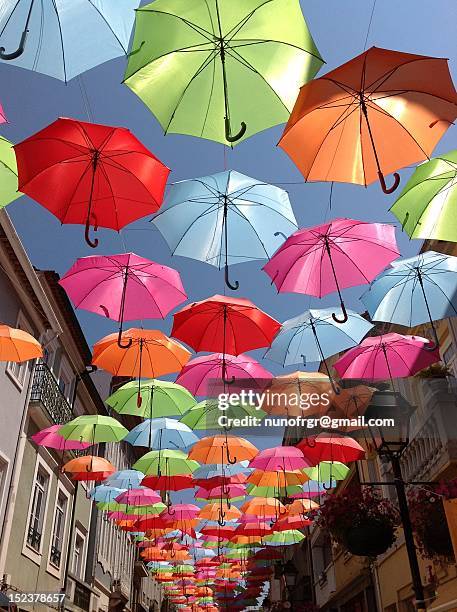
<point>32,101</point>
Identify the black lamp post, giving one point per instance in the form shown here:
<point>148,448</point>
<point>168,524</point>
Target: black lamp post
<point>390,442</point>
<point>290,576</point>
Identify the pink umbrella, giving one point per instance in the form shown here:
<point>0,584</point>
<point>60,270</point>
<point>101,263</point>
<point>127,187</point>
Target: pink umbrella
<point>180,512</point>
<point>50,438</point>
<point>387,356</point>
<point>286,458</point>
<point>123,287</point>
<point>231,490</point>
<point>330,257</point>
<point>139,497</point>
<point>331,447</point>
<point>118,515</point>
<point>198,373</point>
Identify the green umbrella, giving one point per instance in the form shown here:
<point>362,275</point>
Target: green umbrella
<point>138,510</point>
<point>284,538</point>
<point>160,398</point>
<point>427,205</point>
<point>185,569</point>
<point>8,173</point>
<point>206,414</point>
<point>165,462</point>
<point>288,491</point>
<point>93,428</point>
<point>207,67</point>
<point>328,470</point>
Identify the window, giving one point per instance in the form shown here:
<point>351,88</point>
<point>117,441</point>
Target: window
<point>58,530</point>
<point>18,371</point>
<point>3,473</point>
<point>78,553</point>
<point>37,510</point>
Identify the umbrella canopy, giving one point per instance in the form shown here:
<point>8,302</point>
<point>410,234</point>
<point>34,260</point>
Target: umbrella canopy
<point>8,169</point>
<point>351,402</point>
<point>18,345</point>
<point>232,492</point>
<point>91,174</point>
<point>200,373</point>
<point>343,253</point>
<point>159,398</point>
<point>286,458</point>
<point>291,394</point>
<point>279,478</point>
<point>416,290</point>
<point>51,438</point>
<point>139,497</point>
<point>169,483</point>
<point>379,112</point>
<point>273,490</point>
<point>331,447</point>
<point>166,462</point>
<point>89,468</point>
<point>284,538</point>
<point>301,506</point>
<point>221,470</point>
<point>226,449</point>
<point>105,493</point>
<point>425,207</point>
<point>123,287</point>
<point>224,324</point>
<point>263,508</point>
<point>215,510</point>
<point>48,38</point>
<point>199,77</point>
<point>224,219</point>
<point>328,471</point>
<point>125,479</point>
<point>206,415</point>
<point>94,428</point>
<point>161,433</point>
<point>387,356</point>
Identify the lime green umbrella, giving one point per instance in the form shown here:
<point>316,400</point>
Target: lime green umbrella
<point>328,470</point>
<point>184,569</point>
<point>221,69</point>
<point>160,398</point>
<point>93,428</point>
<point>8,173</point>
<point>427,206</point>
<point>206,415</point>
<point>166,462</point>
<point>288,491</point>
<point>284,538</point>
<point>126,509</point>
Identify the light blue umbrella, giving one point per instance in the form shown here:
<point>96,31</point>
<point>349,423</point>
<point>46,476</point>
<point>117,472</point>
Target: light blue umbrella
<point>64,39</point>
<point>315,335</point>
<point>105,494</point>
<point>161,433</point>
<point>314,488</point>
<point>225,218</point>
<point>125,479</point>
<point>417,290</point>
<point>213,470</point>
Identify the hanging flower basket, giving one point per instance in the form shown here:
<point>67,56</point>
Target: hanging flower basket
<point>370,539</point>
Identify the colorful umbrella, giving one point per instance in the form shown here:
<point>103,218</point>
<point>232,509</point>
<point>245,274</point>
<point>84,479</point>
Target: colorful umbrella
<point>217,67</point>
<point>123,287</point>
<point>48,38</point>
<point>51,438</point>
<point>327,471</point>
<point>206,415</point>
<point>125,479</point>
<point>166,462</point>
<point>224,219</point>
<point>214,510</point>
<point>226,449</point>
<point>291,394</point>
<point>169,483</point>
<point>263,508</point>
<point>273,491</point>
<point>232,492</point>
<point>284,538</point>
<point>331,447</point>
<point>161,433</point>
<point>386,357</point>
<point>426,206</point>
<point>420,289</point>
<point>139,497</point>
<point>93,428</point>
<point>343,253</point>
<point>91,174</point>
<point>8,169</point>
<point>200,373</point>
<point>104,494</point>
<point>285,458</point>
<point>159,398</point>
<point>18,345</point>
<point>278,478</point>
<point>89,468</point>
<point>381,111</point>
<point>301,507</point>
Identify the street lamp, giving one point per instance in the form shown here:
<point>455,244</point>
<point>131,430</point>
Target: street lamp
<point>290,573</point>
<point>390,442</point>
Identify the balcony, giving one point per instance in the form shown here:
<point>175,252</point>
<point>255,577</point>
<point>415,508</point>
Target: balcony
<point>45,391</point>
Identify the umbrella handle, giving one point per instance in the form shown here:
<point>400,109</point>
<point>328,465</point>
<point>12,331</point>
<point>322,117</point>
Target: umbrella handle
<point>236,137</point>
<point>91,243</point>
<point>171,511</point>
<point>324,484</point>
<point>384,187</point>
<point>220,520</point>
<point>119,341</point>
<point>19,51</point>
<point>345,315</point>
<point>229,459</point>
<point>231,286</point>
<point>281,234</point>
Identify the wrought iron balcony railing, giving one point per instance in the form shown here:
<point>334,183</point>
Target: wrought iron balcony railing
<point>45,390</point>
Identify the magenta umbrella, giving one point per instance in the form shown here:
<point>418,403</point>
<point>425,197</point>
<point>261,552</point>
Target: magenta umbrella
<point>387,356</point>
<point>123,287</point>
<point>343,253</point>
<point>285,458</point>
<point>139,497</point>
<point>50,438</point>
<point>198,373</point>
<point>181,512</point>
<point>231,491</point>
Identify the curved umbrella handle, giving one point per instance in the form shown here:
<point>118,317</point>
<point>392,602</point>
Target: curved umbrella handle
<point>119,341</point>
<point>229,458</point>
<point>236,137</point>
<point>384,187</point>
<point>19,51</point>
<point>345,314</point>
<point>91,243</point>
<point>431,345</point>
<point>220,520</point>
<point>281,234</point>
<point>324,484</point>
<point>228,381</point>
<point>171,511</point>
<point>231,286</point>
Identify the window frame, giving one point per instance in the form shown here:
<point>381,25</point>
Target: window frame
<point>61,493</point>
<point>79,534</point>
<point>27,549</point>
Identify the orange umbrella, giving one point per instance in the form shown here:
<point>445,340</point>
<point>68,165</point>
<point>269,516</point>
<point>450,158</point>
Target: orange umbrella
<point>89,467</point>
<point>301,507</point>
<point>264,507</point>
<point>286,391</point>
<point>222,449</point>
<point>17,345</point>
<point>277,479</point>
<point>204,592</point>
<point>352,402</point>
<point>381,111</point>
<point>213,511</point>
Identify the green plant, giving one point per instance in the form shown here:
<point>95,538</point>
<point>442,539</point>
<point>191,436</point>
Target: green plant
<point>429,523</point>
<point>436,370</point>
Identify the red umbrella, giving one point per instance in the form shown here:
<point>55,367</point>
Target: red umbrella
<point>91,174</point>
<point>169,483</point>
<point>331,447</point>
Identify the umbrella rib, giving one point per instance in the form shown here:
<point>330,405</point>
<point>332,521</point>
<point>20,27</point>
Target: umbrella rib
<point>61,40</point>
<point>209,99</point>
<point>202,31</point>
<point>78,183</point>
<point>108,25</point>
